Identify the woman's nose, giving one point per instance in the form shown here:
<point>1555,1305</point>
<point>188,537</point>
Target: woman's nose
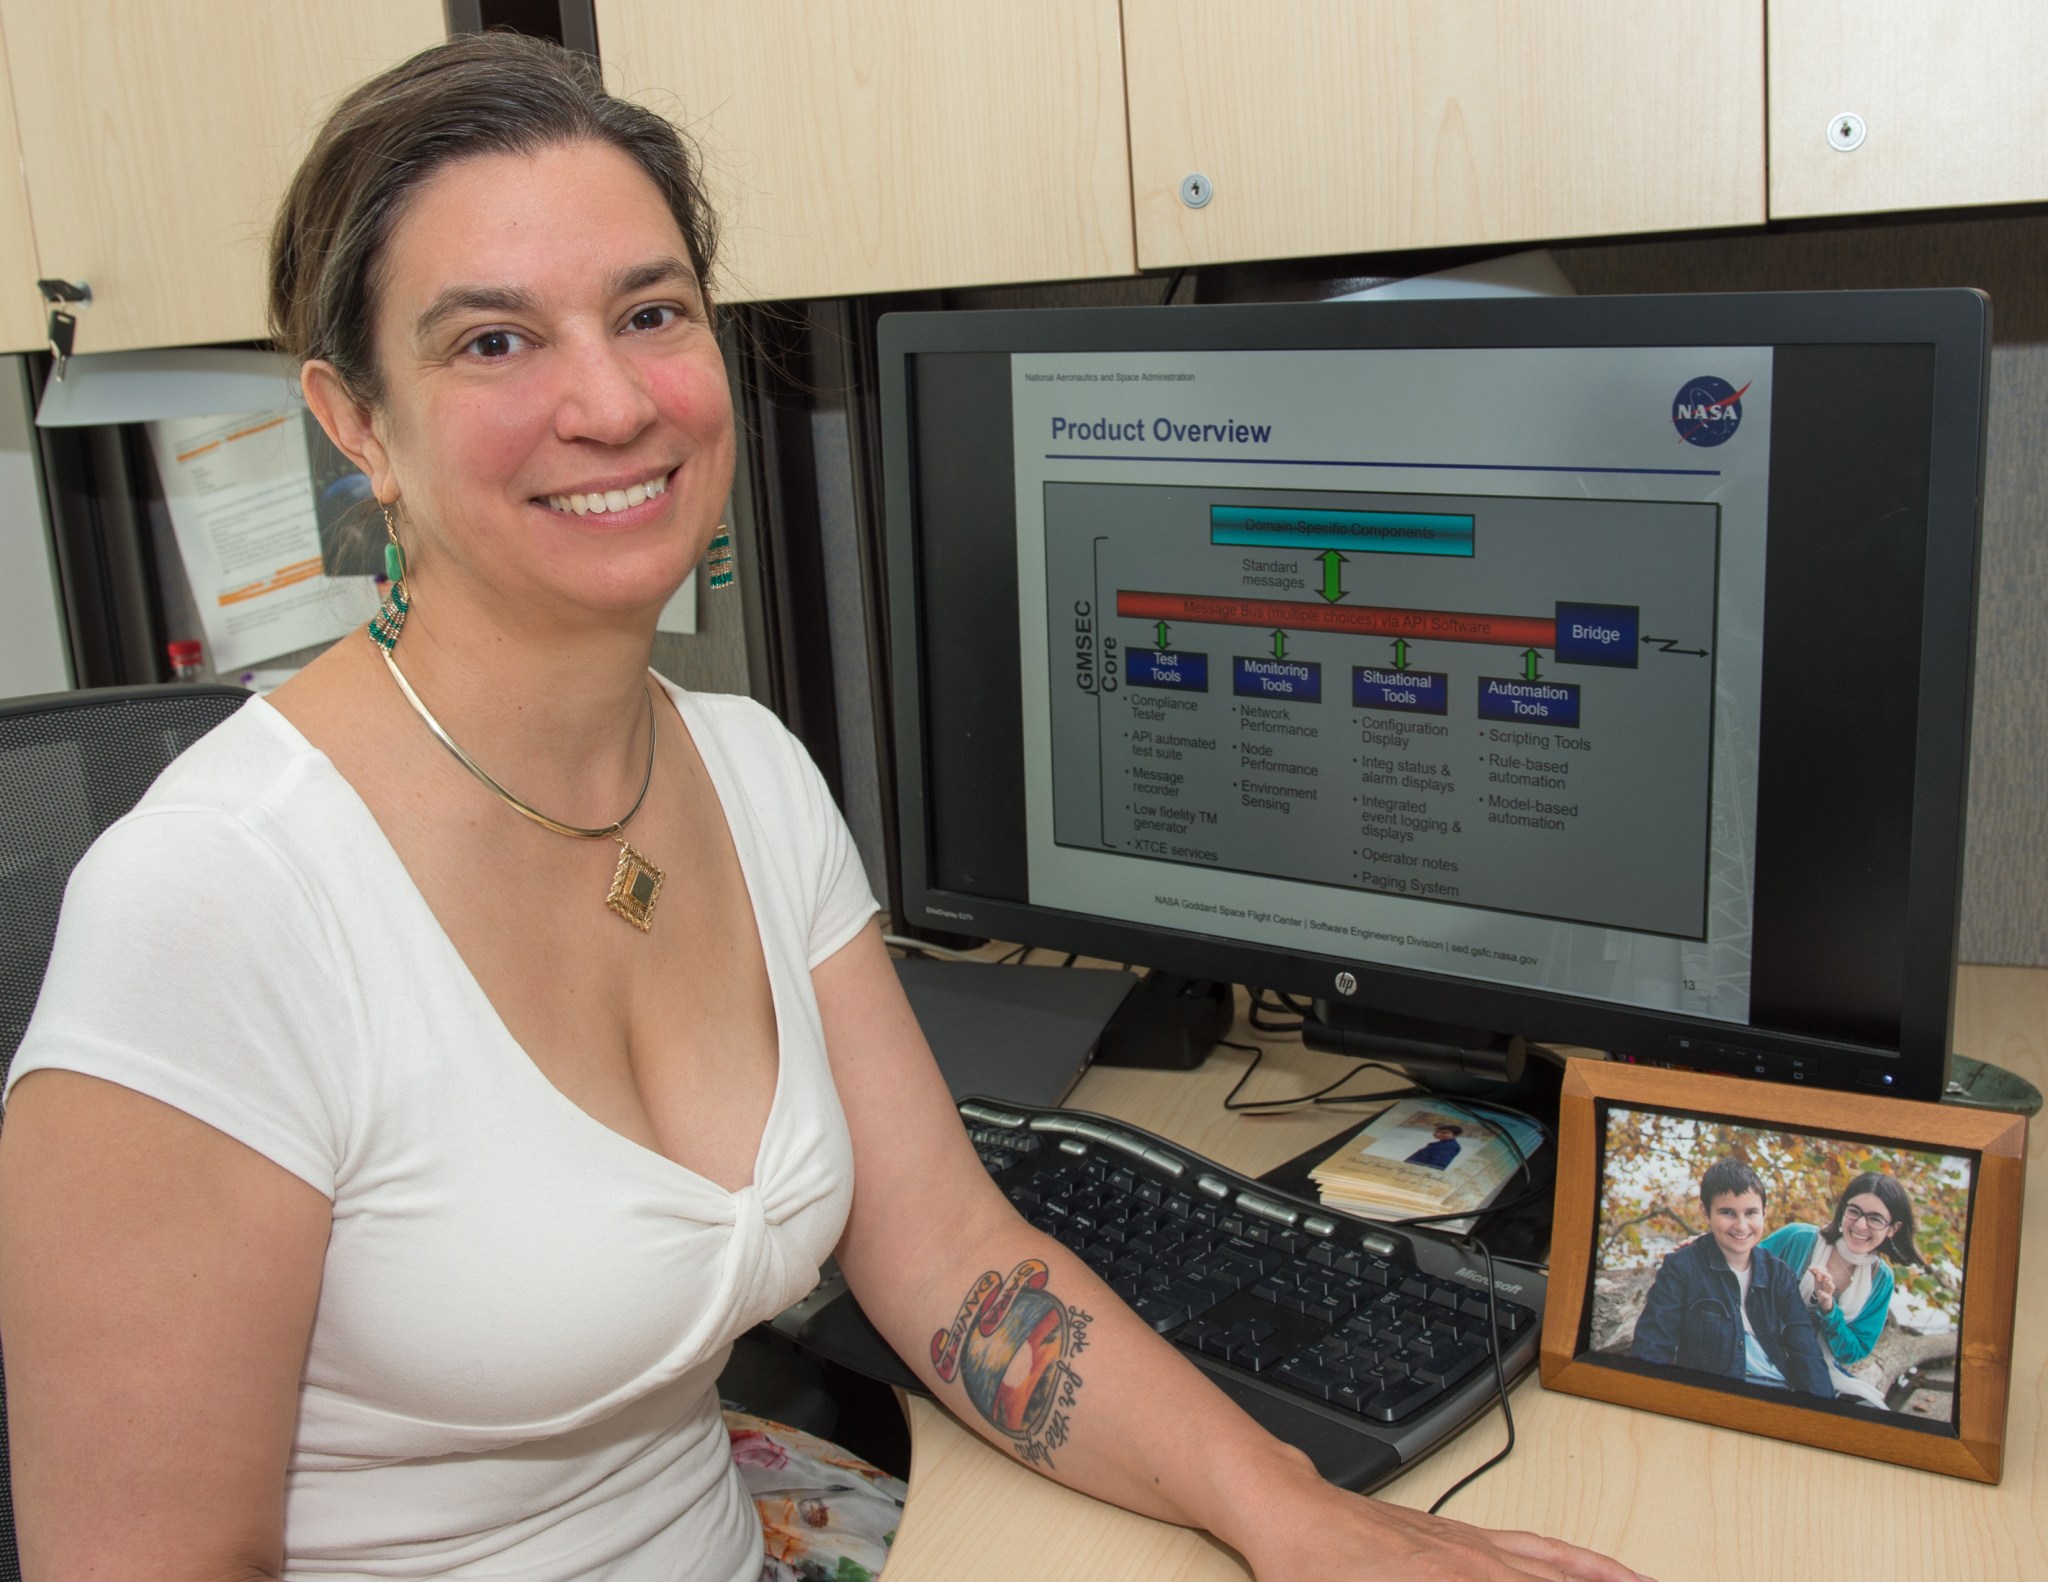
<point>603,396</point>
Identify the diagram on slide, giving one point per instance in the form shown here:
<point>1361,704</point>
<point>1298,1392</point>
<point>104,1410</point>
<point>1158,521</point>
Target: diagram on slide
<point>1495,701</point>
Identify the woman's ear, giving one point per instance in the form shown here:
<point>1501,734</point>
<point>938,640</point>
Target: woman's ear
<point>349,424</point>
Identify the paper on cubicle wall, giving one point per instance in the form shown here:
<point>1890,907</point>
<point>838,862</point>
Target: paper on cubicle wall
<point>240,494</point>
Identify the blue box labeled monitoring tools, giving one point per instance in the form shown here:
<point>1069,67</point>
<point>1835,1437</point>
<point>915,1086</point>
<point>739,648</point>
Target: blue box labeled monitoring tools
<point>1290,680</point>
<point>1174,668</point>
<point>1529,702</point>
<point>1400,691</point>
<point>1373,532</point>
<point>1597,634</point>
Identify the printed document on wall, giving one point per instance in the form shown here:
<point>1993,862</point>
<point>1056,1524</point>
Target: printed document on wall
<point>240,493</point>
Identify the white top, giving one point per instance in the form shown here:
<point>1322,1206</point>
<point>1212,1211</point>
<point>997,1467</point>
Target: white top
<point>523,1311</point>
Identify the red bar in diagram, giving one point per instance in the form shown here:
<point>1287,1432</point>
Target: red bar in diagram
<point>1444,626</point>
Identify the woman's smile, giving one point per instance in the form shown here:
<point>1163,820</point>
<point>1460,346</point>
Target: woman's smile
<point>609,499</point>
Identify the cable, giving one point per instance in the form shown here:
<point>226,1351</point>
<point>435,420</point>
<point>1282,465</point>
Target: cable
<point>1172,285</point>
<point>1268,1000</point>
<point>1500,1380</point>
<point>918,947</point>
<point>1268,1105</point>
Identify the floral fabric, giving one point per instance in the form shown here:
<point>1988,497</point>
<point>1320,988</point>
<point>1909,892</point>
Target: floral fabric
<point>826,1515</point>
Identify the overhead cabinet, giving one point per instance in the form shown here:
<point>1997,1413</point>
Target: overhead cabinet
<point>21,319</point>
<point>157,139</point>
<point>1898,104</point>
<point>1344,126</point>
<point>857,146</point>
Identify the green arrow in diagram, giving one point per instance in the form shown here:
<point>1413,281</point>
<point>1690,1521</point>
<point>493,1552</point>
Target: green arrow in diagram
<point>1279,643</point>
<point>1163,635</point>
<point>1331,561</point>
<point>1400,653</point>
<point>1529,665</point>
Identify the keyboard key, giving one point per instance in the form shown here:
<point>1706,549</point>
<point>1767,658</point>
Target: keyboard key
<point>1324,1253</point>
<point>1310,1378</point>
<point>1259,1358</point>
<point>1161,1312</point>
<point>1401,1400</point>
<point>1352,1397</point>
<point>1414,1285</point>
<point>1449,1365</point>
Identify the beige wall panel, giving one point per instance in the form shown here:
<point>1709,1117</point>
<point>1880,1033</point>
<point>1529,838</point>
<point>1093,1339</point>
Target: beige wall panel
<point>1953,99</point>
<point>857,146</point>
<point>21,310</point>
<point>157,139</point>
<point>1343,126</point>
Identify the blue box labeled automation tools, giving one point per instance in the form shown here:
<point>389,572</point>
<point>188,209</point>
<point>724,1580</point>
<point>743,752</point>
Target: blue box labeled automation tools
<point>1529,702</point>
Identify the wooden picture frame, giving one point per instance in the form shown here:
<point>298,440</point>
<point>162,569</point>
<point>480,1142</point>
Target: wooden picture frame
<point>1971,1443</point>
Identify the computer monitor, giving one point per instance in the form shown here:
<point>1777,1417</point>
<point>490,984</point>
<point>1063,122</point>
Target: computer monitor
<point>1596,670</point>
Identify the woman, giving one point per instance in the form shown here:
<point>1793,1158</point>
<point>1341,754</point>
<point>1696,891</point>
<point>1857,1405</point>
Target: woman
<point>394,1154</point>
<point>1843,1275</point>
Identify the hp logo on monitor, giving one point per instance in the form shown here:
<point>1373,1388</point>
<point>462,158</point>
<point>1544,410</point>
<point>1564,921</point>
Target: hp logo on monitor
<point>1346,984</point>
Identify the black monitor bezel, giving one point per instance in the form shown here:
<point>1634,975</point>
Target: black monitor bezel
<point>1956,323</point>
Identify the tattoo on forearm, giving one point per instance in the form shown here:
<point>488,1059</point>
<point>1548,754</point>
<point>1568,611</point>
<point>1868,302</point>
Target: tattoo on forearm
<point>1013,1345</point>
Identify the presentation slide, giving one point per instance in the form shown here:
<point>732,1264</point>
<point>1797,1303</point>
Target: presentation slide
<point>1446,659</point>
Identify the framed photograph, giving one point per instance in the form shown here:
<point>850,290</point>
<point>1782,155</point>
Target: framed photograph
<point>1811,1265</point>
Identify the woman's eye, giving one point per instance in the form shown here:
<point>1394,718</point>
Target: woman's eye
<point>494,344</point>
<point>654,318</point>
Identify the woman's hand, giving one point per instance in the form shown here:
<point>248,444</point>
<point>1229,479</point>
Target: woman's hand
<point>1333,1534</point>
<point>1823,1291</point>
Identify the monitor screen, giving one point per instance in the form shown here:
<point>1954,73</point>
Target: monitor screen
<point>1596,670</point>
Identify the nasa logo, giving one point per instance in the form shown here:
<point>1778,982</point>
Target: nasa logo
<point>1707,410</point>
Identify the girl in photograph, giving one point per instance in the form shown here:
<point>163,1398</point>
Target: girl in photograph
<point>1844,1274</point>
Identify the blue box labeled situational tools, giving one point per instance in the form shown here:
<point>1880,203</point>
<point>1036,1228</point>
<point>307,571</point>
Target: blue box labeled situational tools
<point>1400,691</point>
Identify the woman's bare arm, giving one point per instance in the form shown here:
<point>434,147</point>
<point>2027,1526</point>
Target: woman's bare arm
<point>931,1241</point>
<point>158,1282</point>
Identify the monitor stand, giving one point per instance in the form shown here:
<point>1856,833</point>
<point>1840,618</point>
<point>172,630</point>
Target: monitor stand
<point>1980,1085</point>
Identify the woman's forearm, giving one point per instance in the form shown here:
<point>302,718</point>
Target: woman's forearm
<point>1046,1362</point>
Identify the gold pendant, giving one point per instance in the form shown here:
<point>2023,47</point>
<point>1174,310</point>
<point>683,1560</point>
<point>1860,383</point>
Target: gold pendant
<point>635,884</point>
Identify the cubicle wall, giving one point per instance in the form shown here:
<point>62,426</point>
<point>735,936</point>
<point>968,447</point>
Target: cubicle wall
<point>34,653</point>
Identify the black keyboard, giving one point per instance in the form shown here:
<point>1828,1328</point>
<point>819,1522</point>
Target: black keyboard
<point>1365,1345</point>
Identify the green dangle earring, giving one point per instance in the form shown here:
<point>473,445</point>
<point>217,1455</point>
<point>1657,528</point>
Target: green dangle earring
<point>389,620</point>
<point>718,562</point>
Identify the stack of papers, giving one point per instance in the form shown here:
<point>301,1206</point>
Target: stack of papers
<point>1426,1156</point>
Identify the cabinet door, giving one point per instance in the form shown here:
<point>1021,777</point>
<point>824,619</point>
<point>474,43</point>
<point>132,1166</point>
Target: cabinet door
<point>1339,126</point>
<point>157,139</point>
<point>1952,102</point>
<point>21,312</point>
<point>857,146</point>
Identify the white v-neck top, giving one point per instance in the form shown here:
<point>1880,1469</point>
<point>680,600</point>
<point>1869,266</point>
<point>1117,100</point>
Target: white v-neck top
<point>523,1312</point>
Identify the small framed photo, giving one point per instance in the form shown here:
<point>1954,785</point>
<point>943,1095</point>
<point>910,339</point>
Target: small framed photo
<point>1807,1264</point>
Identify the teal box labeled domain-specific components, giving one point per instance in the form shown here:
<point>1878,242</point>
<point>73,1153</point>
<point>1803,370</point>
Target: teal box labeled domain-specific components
<point>1348,532</point>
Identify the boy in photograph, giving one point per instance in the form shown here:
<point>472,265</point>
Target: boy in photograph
<point>1438,1153</point>
<point>1721,1304</point>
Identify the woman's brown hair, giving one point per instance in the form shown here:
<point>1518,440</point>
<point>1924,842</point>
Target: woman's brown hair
<point>481,93</point>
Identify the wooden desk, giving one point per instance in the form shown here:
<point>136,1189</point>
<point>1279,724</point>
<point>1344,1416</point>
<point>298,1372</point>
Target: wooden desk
<point>1675,1500</point>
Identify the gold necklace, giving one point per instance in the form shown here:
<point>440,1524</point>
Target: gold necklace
<point>636,882</point>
